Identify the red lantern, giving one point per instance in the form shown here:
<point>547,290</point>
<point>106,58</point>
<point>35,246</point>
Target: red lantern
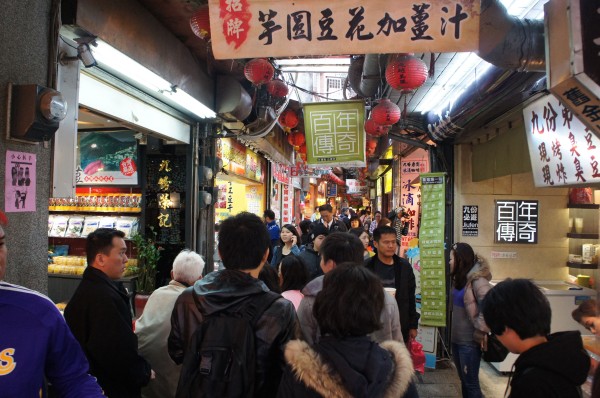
<point>374,129</point>
<point>277,88</point>
<point>371,146</point>
<point>288,119</point>
<point>303,157</point>
<point>200,23</point>
<point>296,139</point>
<point>302,149</point>
<point>406,72</point>
<point>259,71</point>
<point>386,113</point>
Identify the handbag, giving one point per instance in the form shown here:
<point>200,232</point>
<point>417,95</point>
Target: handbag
<point>495,350</point>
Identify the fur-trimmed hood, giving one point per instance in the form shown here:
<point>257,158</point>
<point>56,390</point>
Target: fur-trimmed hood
<point>315,371</point>
<point>478,284</point>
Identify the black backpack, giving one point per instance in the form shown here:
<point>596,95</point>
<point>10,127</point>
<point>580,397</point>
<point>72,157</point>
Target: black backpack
<point>221,358</point>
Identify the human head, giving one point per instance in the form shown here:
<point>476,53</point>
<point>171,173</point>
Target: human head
<point>286,234</point>
<point>188,267</point>
<point>385,222</point>
<point>243,242</point>
<point>326,212</point>
<point>355,222</point>
<point>3,250</point>
<point>269,215</point>
<point>361,234</point>
<point>377,216</point>
<point>270,278</point>
<point>340,247</point>
<point>587,315</point>
<point>520,305</point>
<point>106,251</point>
<point>318,232</point>
<point>304,225</point>
<point>345,211</point>
<point>462,259</point>
<point>385,240</point>
<point>293,273</point>
<point>350,302</point>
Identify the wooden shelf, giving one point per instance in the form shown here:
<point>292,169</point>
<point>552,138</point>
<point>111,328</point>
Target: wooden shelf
<point>583,236</point>
<point>581,265</point>
<point>583,206</point>
<point>136,210</point>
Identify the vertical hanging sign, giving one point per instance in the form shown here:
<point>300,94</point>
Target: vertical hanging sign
<point>470,221</point>
<point>431,244</point>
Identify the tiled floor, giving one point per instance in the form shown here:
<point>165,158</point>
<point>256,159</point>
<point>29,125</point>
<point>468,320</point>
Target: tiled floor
<point>444,382</point>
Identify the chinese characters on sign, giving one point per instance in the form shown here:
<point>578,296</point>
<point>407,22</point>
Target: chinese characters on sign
<point>431,244</point>
<point>287,203</point>
<point>19,181</point>
<point>562,150</point>
<point>302,170</point>
<point>516,221</point>
<point>335,134</point>
<point>470,221</point>
<point>331,190</point>
<point>410,196</point>
<point>356,186</point>
<point>276,28</point>
<point>164,199</point>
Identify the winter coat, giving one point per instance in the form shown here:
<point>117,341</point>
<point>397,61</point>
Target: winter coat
<point>99,315</point>
<point>312,260</point>
<point>390,316</point>
<point>405,285</point>
<point>554,369</point>
<point>278,254</point>
<point>353,367</point>
<point>334,226</point>
<point>478,282</point>
<point>227,290</point>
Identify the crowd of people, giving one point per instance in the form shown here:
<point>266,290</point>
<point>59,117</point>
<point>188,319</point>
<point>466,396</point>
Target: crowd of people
<point>322,309</point>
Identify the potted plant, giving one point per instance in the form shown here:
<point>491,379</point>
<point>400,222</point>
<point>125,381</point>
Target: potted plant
<point>147,259</point>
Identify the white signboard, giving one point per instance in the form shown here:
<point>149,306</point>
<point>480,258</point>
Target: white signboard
<point>356,186</point>
<point>563,151</point>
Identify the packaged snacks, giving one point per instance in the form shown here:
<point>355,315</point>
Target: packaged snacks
<point>107,222</point>
<point>75,227</point>
<point>59,226</point>
<point>50,223</point>
<point>128,225</point>
<point>90,225</point>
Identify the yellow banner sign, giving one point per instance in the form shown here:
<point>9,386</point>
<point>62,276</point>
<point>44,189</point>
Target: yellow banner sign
<point>280,28</point>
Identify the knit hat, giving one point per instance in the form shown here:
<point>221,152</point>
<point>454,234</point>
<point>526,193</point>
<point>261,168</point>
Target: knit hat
<point>318,229</point>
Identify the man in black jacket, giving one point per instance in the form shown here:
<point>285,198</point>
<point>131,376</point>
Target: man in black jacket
<point>396,272</point>
<point>99,315</point>
<point>244,247</point>
<point>329,221</point>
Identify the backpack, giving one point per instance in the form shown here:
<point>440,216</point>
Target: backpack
<point>221,358</point>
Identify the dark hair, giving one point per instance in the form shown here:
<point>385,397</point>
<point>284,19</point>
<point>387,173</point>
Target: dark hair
<point>385,222</point>
<point>464,260</point>
<point>243,241</point>
<point>520,305</point>
<point>377,212</point>
<point>100,241</point>
<point>342,247</point>
<point>269,214</point>
<point>294,273</point>
<point>356,218</point>
<point>363,212</point>
<point>326,207</point>
<point>304,225</point>
<point>270,278</point>
<point>293,230</point>
<point>586,309</point>
<point>358,231</point>
<point>350,302</point>
<point>383,230</point>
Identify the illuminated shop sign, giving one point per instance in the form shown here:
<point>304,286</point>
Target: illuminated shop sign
<point>516,221</point>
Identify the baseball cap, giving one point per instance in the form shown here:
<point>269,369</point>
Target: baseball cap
<point>318,229</point>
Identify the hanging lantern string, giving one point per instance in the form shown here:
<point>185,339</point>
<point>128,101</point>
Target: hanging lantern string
<point>432,65</point>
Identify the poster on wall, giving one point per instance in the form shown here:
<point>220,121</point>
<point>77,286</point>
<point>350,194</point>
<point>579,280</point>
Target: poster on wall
<point>470,221</point>
<point>20,182</point>
<point>106,158</point>
<point>410,195</point>
<point>516,221</point>
<point>431,248</point>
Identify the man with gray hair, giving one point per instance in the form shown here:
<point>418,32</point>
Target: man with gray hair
<point>154,326</point>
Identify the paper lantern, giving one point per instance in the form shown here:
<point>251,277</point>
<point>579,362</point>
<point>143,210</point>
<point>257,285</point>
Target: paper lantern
<point>277,88</point>
<point>259,71</point>
<point>406,72</point>
<point>296,138</point>
<point>374,129</point>
<point>200,23</point>
<point>371,145</point>
<point>289,118</point>
<point>302,149</point>
<point>385,113</point>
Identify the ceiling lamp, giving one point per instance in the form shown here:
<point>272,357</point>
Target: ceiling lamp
<point>277,88</point>
<point>385,113</point>
<point>200,23</point>
<point>259,71</point>
<point>289,119</point>
<point>405,72</point>
<point>296,138</point>
<point>374,129</point>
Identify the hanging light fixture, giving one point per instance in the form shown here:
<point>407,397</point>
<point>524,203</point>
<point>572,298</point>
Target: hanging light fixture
<point>296,138</point>
<point>374,129</point>
<point>405,72</point>
<point>289,119</point>
<point>259,71</point>
<point>277,88</point>
<point>385,113</point>
<point>200,23</point>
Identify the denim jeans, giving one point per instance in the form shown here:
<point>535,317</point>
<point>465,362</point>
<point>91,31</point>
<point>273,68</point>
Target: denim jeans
<point>467,358</point>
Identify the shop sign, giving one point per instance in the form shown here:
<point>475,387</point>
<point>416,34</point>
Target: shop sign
<point>516,221</point>
<point>470,221</point>
<point>287,205</point>
<point>356,186</point>
<point>302,170</point>
<point>331,190</point>
<point>410,196</point>
<point>280,28</point>
<point>416,166</point>
<point>233,154</point>
<point>562,150</point>
<point>281,172</point>
<point>106,158</point>
<point>20,181</point>
<point>334,133</point>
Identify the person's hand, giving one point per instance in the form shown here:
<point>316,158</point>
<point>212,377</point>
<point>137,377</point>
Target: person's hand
<point>294,240</point>
<point>412,333</point>
<point>152,374</point>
